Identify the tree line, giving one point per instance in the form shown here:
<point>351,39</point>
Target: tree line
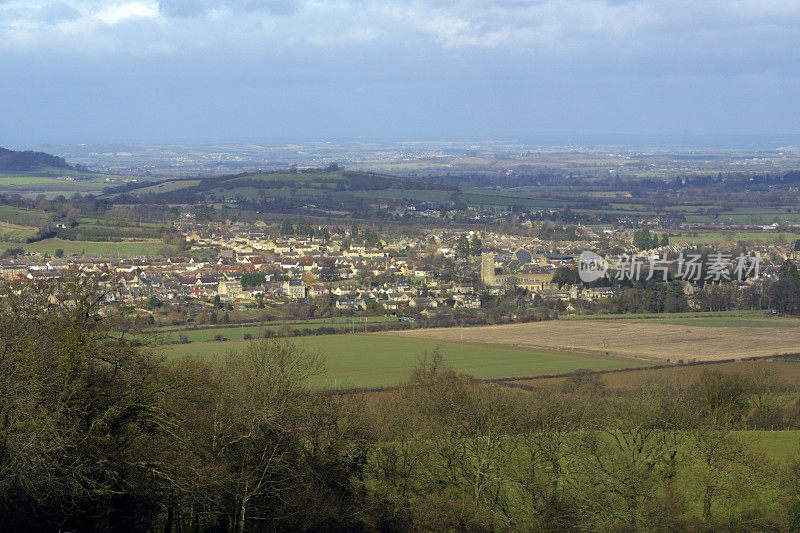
<point>100,433</point>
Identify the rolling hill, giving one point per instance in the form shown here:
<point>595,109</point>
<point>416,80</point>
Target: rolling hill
<point>316,189</point>
<point>27,161</point>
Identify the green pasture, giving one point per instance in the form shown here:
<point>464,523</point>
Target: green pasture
<point>373,360</point>
<point>733,322</point>
<point>15,232</point>
<point>708,237</point>
<point>669,316</point>
<point>420,195</point>
<point>237,332</point>
<point>22,217</point>
<point>126,248</point>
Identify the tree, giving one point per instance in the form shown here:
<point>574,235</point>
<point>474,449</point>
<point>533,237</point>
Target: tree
<point>13,252</point>
<point>642,239</point>
<point>303,228</point>
<point>475,245</point>
<point>463,248</point>
<point>253,279</point>
<point>286,227</point>
<point>262,400</point>
<point>79,406</point>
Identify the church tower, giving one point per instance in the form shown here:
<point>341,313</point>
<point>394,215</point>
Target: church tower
<point>487,269</point>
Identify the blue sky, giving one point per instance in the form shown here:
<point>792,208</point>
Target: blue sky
<point>93,71</point>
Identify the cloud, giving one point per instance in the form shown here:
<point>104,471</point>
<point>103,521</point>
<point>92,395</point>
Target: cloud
<point>540,30</point>
<point>57,12</point>
<point>116,13</point>
<point>194,8</point>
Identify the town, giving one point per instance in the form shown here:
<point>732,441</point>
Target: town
<point>244,273</point>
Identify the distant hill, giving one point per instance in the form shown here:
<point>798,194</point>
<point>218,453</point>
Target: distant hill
<point>308,183</point>
<point>13,161</point>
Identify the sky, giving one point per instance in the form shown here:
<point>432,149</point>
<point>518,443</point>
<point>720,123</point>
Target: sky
<point>93,71</point>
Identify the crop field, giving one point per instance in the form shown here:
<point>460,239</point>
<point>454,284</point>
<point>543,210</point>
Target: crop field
<point>783,372</point>
<point>737,313</point>
<point>167,186</point>
<point>421,195</point>
<point>126,248</point>
<point>489,197</point>
<point>750,237</point>
<point>237,332</point>
<point>27,180</point>
<point>374,360</point>
<point>701,339</point>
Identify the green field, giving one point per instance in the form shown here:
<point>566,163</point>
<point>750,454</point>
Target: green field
<point>28,180</point>
<point>420,195</point>
<point>752,236</point>
<point>693,315</point>
<point>778,445</point>
<point>127,249</point>
<point>733,322</point>
<point>373,360</point>
<point>233,332</point>
<point>15,232</point>
<point>471,195</point>
<point>22,217</point>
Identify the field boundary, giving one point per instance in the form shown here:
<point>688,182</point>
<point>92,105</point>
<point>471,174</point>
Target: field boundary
<point>509,381</point>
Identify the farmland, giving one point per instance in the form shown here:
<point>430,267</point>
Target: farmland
<point>373,360</point>
<point>15,232</point>
<point>54,181</point>
<point>149,247</point>
<point>709,237</point>
<point>237,332</point>
<point>22,217</point>
<point>660,339</point>
<point>785,373</point>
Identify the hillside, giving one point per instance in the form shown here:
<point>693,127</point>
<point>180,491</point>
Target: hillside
<point>316,189</point>
<point>15,161</point>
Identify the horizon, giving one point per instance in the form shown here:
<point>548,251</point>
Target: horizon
<point>662,142</point>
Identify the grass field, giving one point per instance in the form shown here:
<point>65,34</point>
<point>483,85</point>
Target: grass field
<point>477,196</point>
<point>22,217</point>
<point>421,195</point>
<point>15,232</point>
<point>127,248</point>
<point>372,360</point>
<point>750,237</point>
<point>172,334</point>
<point>28,180</point>
<point>784,372</point>
<point>777,445</point>
<point>754,313</point>
<point>664,339</point>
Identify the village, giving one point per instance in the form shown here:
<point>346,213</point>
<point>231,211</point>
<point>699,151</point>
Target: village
<point>427,274</point>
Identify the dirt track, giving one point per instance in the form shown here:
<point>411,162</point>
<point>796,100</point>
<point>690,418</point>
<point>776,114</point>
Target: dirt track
<point>631,338</point>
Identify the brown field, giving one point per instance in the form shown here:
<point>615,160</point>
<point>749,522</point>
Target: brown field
<point>643,339</point>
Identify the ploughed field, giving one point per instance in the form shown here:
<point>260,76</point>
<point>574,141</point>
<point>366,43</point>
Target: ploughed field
<point>667,340</point>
